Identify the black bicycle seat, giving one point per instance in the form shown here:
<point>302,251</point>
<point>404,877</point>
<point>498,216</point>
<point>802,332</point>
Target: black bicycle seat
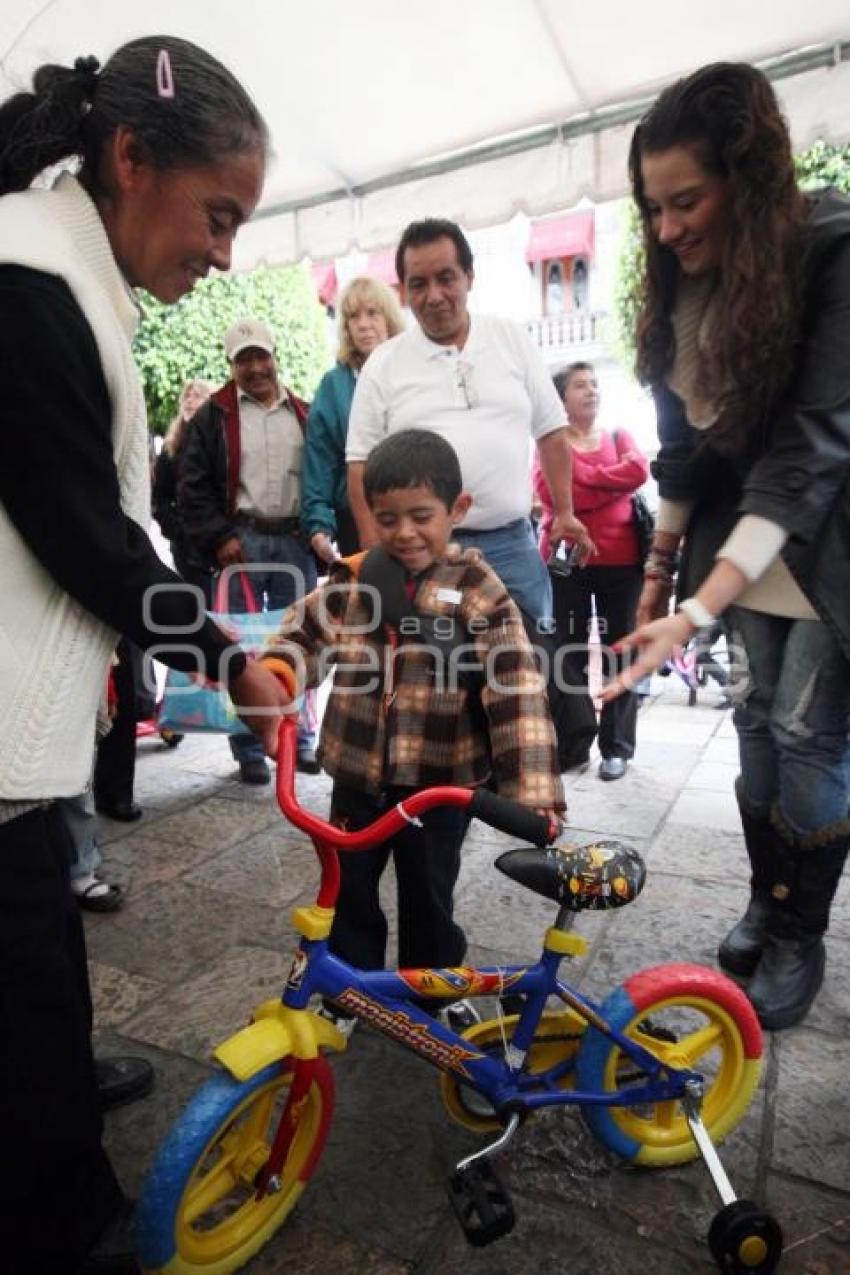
<point>597,877</point>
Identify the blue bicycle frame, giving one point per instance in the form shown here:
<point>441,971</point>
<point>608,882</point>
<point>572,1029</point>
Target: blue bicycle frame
<point>392,1003</point>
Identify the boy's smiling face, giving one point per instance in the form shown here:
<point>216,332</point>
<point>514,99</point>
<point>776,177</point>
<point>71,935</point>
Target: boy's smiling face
<point>414,526</point>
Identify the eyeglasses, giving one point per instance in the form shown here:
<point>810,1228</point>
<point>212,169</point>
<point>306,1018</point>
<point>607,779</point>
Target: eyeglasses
<point>465,384</point>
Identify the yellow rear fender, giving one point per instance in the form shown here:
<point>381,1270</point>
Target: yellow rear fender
<point>277,1032</point>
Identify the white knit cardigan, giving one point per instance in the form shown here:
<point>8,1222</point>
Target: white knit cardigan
<point>54,654</point>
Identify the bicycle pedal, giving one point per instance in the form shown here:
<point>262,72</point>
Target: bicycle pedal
<point>481,1204</point>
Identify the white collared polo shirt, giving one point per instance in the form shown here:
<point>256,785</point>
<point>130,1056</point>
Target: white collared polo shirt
<point>489,400</point>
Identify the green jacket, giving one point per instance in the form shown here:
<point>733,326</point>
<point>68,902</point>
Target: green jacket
<point>324,491</point>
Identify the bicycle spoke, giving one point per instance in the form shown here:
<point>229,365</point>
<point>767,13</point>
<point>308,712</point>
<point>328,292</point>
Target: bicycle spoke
<point>700,1042</point>
<point>211,1190</point>
<point>666,1114</point>
<point>255,1129</point>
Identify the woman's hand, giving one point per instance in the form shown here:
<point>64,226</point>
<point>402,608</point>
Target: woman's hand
<point>653,643</point>
<point>260,700</point>
<point>654,601</point>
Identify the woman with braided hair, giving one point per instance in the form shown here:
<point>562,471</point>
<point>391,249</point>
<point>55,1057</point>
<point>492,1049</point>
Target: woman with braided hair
<point>171,155</point>
<point>744,337</point>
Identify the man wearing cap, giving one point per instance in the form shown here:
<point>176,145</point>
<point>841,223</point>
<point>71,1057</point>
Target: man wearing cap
<point>240,496</point>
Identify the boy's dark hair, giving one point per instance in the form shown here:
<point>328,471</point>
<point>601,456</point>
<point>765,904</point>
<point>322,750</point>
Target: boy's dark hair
<point>413,458</point>
<point>428,231</point>
<point>562,378</point>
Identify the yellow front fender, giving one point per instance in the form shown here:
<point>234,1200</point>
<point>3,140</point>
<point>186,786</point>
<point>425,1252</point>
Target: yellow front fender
<point>276,1032</point>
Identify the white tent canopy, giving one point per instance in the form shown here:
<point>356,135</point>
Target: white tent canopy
<point>376,108</point>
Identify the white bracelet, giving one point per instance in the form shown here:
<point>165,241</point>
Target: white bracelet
<point>697,612</point>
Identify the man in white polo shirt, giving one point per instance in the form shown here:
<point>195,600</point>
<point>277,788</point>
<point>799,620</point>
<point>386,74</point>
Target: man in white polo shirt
<point>478,381</point>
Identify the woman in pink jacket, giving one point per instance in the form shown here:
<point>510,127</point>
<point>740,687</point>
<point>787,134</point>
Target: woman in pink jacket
<point>607,470</point>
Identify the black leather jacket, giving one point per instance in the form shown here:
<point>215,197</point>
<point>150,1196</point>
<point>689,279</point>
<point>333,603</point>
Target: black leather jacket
<point>796,471</point>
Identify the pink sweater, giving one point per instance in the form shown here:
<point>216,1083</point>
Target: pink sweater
<point>603,483</point>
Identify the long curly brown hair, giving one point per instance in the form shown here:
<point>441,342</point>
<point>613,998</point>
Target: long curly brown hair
<point>729,115</point>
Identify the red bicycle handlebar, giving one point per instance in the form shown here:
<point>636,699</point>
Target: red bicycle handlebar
<point>382,828</point>
<point>328,839</point>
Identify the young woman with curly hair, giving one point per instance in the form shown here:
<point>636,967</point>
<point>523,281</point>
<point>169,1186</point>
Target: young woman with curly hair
<point>744,338</point>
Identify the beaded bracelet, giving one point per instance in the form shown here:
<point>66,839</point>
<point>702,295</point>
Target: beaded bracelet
<point>661,565</point>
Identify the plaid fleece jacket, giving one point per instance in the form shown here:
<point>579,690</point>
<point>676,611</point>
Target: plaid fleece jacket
<point>396,717</point>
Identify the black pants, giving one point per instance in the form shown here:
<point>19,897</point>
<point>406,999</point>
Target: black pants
<point>115,760</point>
<point>57,1188</point>
<point>617,591</point>
<point>427,861</point>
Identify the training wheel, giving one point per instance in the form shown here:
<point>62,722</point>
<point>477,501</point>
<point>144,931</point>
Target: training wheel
<point>744,1238</point>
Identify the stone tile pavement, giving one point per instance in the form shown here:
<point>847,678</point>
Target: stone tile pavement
<point>211,874</point>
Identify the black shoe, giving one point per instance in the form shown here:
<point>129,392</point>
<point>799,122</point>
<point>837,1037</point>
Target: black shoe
<point>787,980</point>
<point>123,811</point>
<point>122,1080</point>
<point>306,762</point>
<point>612,768</point>
<point>253,770</point>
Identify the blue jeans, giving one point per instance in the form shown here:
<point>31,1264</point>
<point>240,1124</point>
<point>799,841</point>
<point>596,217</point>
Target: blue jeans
<point>792,719</point>
<point>513,555</point>
<point>275,590</point>
<point>79,819</point>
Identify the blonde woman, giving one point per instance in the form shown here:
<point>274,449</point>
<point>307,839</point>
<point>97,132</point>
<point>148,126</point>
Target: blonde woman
<point>164,494</point>
<point>368,315</point>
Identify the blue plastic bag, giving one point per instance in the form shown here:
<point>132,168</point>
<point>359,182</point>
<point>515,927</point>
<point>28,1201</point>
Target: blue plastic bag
<point>189,705</point>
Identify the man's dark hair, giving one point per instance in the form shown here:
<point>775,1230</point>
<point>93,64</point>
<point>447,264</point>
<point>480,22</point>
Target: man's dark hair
<point>562,378</point>
<point>413,458</point>
<point>428,231</point>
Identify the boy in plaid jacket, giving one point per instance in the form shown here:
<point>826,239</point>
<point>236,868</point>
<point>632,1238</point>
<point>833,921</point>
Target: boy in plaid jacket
<point>397,721</point>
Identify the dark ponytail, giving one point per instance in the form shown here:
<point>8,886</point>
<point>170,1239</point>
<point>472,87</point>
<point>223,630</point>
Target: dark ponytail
<point>74,111</point>
<point>43,127</point>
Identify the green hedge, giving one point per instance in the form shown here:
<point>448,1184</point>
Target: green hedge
<point>175,343</point>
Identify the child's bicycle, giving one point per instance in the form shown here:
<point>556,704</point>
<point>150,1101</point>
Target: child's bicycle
<point>662,1071</point>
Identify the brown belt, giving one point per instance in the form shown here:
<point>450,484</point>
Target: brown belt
<point>270,526</point>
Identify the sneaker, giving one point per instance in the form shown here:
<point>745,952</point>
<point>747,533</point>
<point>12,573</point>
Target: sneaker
<point>460,1016</point>
<point>253,770</point>
<point>307,762</point>
<point>344,1023</point>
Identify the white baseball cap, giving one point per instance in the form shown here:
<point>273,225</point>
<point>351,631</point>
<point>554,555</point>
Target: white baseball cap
<point>244,333</point>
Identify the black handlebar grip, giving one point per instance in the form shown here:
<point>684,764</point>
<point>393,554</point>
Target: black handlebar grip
<point>509,816</point>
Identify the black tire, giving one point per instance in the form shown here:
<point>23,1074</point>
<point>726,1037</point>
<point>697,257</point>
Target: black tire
<point>743,1239</point>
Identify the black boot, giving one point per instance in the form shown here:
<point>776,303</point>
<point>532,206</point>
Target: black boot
<point>792,963</point>
<point>740,951</point>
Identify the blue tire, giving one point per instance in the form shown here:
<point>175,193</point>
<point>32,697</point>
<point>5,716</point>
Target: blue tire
<point>198,1213</point>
